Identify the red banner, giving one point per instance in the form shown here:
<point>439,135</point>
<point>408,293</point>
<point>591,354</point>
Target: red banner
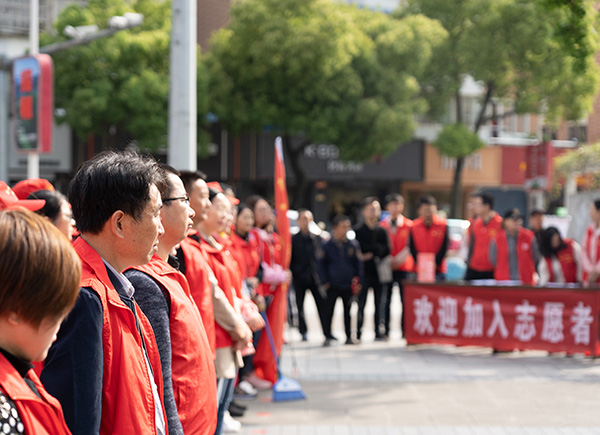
<point>504,318</point>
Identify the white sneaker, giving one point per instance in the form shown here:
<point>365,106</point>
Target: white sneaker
<point>247,388</point>
<point>230,425</point>
<point>257,382</point>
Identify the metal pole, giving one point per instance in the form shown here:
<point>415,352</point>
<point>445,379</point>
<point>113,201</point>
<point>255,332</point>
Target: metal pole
<point>33,157</point>
<point>182,95</point>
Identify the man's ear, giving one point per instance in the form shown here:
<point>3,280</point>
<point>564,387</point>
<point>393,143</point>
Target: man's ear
<point>116,222</point>
<point>13,318</point>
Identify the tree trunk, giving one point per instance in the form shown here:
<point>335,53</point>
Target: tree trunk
<point>455,195</point>
<point>455,198</point>
<point>294,153</point>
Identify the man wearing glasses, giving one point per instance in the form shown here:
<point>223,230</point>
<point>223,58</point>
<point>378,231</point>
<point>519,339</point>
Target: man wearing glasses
<point>163,294</point>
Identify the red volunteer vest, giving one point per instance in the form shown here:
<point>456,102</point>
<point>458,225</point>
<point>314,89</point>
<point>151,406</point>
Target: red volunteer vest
<point>429,239</point>
<point>587,248</point>
<point>125,378</point>
<point>39,416</point>
<point>269,248</point>
<point>197,273</point>
<point>399,240</point>
<point>216,262</point>
<point>524,257</point>
<point>192,365</point>
<point>482,234</point>
<point>566,259</point>
<point>246,256</point>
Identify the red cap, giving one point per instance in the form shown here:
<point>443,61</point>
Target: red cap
<point>215,185</point>
<point>26,187</point>
<point>8,200</point>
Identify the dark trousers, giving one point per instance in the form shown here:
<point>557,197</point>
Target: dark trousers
<point>398,278</point>
<point>300,287</point>
<point>333,293</point>
<point>370,282</point>
<point>476,274</point>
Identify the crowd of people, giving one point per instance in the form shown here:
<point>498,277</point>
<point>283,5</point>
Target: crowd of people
<point>139,302</point>
<point>389,248</point>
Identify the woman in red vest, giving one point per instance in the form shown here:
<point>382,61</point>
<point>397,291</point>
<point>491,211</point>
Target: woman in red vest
<point>514,251</point>
<point>39,283</point>
<point>272,287</point>
<point>561,259</point>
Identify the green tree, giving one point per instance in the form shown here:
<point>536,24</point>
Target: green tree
<point>321,71</point>
<point>519,50</point>
<point>117,85</point>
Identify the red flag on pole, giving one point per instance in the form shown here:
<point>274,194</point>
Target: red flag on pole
<point>282,204</point>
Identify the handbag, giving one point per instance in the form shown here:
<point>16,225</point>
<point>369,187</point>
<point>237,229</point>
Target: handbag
<point>384,269</point>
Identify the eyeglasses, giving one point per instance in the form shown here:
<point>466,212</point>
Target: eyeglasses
<point>185,199</point>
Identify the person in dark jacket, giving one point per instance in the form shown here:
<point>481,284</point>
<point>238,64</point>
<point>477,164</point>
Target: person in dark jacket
<point>341,272</point>
<point>306,250</point>
<point>375,246</point>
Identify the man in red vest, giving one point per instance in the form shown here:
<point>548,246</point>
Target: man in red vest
<point>398,228</point>
<point>514,251</point>
<point>484,228</point>
<point>429,235</point>
<point>104,367</point>
<point>591,248</point>
<point>164,297</point>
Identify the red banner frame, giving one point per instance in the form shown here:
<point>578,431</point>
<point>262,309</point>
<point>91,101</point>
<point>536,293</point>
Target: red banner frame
<point>504,318</point>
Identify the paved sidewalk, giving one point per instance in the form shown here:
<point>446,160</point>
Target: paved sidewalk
<point>389,388</point>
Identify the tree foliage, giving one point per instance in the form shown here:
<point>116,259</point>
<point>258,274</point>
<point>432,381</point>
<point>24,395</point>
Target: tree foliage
<point>119,83</point>
<point>457,140</point>
<point>520,50</point>
<point>327,71</point>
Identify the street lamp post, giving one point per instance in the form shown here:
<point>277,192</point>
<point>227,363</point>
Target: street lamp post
<point>33,157</point>
<point>182,93</point>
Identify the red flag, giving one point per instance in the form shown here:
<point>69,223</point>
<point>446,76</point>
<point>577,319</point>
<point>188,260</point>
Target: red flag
<point>282,204</point>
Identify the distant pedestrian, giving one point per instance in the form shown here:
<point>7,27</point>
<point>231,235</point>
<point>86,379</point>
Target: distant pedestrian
<point>375,247</point>
<point>341,271</point>
<point>561,259</point>
<point>484,228</point>
<point>514,252</point>
<point>429,235</point>
<point>398,228</point>
<point>306,250</point>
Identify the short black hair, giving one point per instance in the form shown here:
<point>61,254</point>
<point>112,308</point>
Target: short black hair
<point>427,200</point>
<point>166,170</point>
<point>597,204</point>
<point>368,201</point>
<point>394,197</point>
<point>486,199</point>
<point>512,213</point>
<point>112,181</point>
<point>54,201</point>
<point>338,219</point>
<point>537,211</point>
<point>190,177</point>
